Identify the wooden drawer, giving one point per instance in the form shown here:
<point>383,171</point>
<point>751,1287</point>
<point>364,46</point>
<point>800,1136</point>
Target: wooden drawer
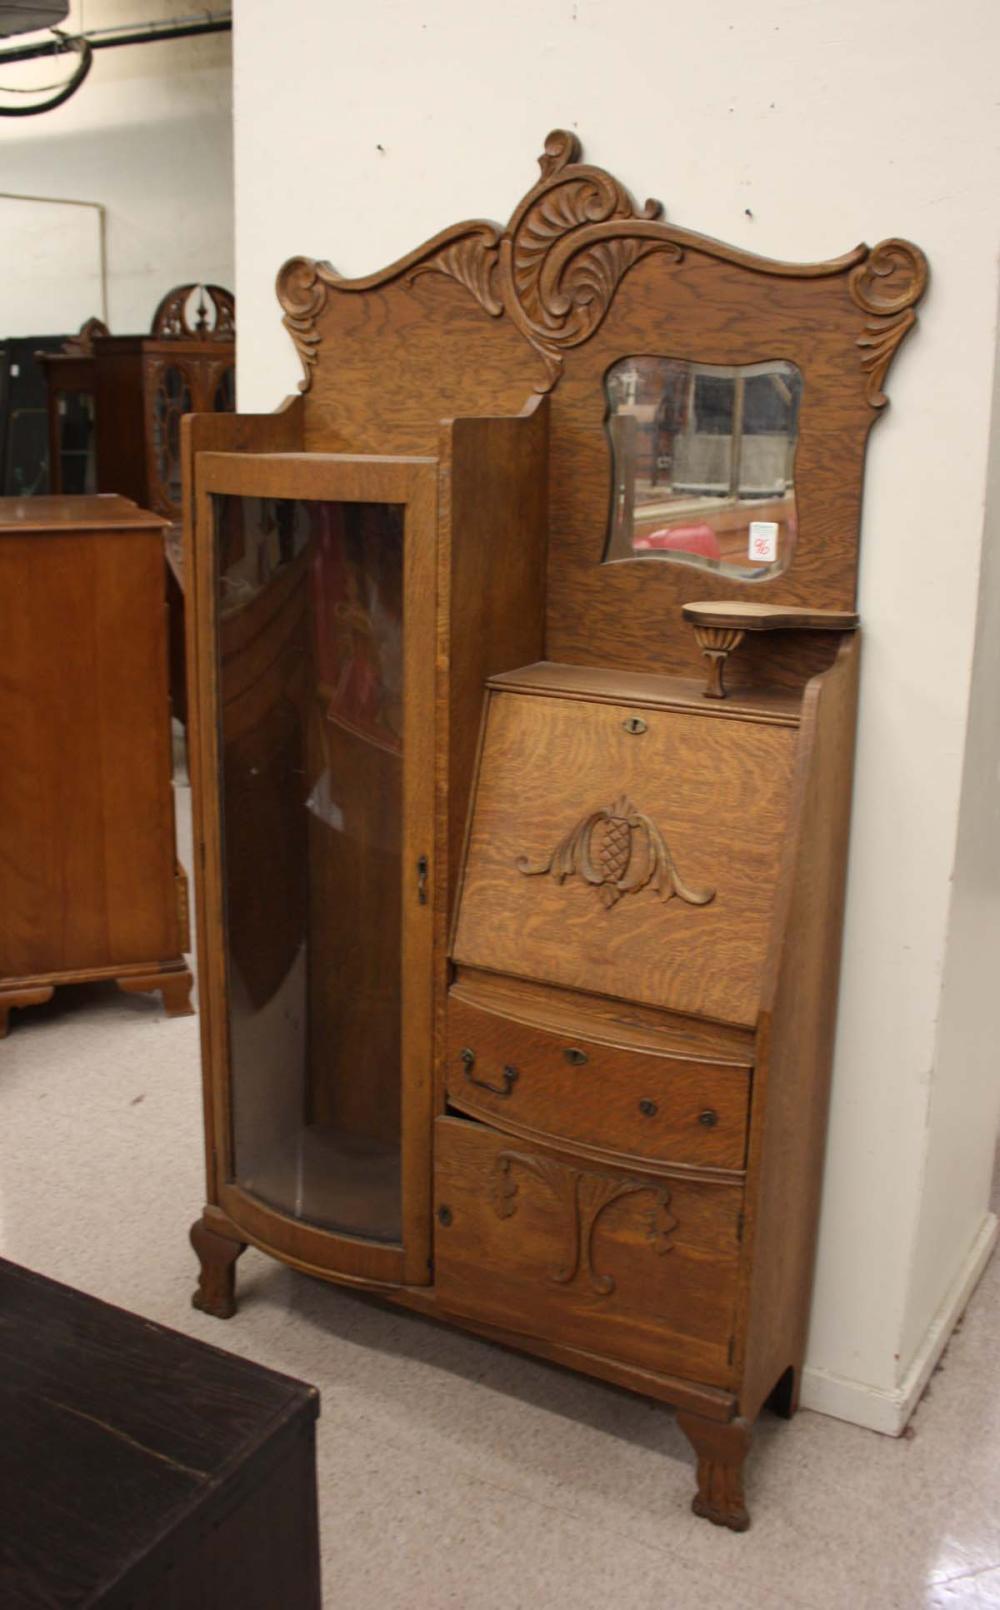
<point>635,1267</point>
<point>631,1101</point>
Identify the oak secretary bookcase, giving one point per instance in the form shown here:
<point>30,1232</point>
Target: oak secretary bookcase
<point>525,660</point>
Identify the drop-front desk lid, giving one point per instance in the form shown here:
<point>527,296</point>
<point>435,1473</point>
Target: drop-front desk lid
<point>631,850</point>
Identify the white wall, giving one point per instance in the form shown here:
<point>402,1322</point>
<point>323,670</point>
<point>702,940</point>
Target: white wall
<point>794,128</point>
<point>149,135</point>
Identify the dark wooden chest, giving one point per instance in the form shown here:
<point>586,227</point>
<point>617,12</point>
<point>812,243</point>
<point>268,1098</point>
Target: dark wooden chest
<point>141,1469</point>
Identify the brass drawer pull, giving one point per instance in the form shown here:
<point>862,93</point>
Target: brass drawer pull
<point>708,1118</point>
<point>509,1075</point>
<point>648,1108</point>
<point>575,1057</point>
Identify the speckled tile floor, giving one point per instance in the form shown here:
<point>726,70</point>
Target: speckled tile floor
<point>452,1473</point>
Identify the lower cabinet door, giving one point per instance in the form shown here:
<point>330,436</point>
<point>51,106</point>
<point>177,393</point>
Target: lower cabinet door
<point>641,1268</point>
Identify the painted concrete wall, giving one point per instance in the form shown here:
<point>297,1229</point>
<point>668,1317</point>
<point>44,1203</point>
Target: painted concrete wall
<point>150,136</point>
<point>795,129</point>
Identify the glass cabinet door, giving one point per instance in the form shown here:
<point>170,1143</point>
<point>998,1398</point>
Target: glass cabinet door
<point>312,720</point>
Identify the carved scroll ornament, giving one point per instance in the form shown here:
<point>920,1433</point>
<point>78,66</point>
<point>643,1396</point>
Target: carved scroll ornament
<point>887,284</point>
<point>555,269</point>
<point>617,851</point>
<point>583,1196</point>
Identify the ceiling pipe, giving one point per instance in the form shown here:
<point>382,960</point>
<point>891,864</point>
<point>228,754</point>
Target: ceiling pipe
<point>111,38</point>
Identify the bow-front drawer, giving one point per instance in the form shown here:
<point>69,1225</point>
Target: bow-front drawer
<point>634,1102</point>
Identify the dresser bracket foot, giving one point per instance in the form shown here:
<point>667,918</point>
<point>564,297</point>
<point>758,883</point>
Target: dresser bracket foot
<point>217,1254</point>
<point>174,986</point>
<point>721,1451</point>
<point>21,997</point>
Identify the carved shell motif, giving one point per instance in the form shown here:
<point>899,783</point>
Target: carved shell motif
<point>617,850</point>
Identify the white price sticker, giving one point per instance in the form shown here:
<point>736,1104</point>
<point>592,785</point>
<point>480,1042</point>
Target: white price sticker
<point>763,544</point>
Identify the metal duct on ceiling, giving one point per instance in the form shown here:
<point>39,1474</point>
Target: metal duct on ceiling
<point>25,16</point>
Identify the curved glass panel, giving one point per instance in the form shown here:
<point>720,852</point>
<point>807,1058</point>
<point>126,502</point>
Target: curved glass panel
<point>310,598</point>
<point>703,463</point>
<point>171,403</point>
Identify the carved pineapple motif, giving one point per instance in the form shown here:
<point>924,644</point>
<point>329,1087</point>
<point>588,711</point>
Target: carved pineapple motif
<point>617,851</point>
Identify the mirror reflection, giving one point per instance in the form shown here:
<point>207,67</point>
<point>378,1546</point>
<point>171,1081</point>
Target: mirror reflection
<point>703,463</point>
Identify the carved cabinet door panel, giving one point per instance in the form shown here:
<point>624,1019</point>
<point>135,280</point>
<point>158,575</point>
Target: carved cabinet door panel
<point>640,1268</point>
<point>633,858</point>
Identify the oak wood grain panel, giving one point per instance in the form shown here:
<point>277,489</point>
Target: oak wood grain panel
<point>795,1040</point>
<point>717,792</point>
<point>492,591</point>
<point>635,1102</point>
<point>492,488</point>
<point>535,1242</point>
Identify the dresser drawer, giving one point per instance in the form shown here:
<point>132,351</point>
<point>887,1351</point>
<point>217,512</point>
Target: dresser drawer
<point>632,1266</point>
<point>635,1102</point>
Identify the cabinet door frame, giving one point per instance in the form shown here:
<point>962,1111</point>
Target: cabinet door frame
<point>342,478</point>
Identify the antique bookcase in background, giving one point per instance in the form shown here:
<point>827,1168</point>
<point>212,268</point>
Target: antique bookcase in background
<point>525,666</point>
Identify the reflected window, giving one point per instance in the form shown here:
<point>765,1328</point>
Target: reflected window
<point>703,463</point>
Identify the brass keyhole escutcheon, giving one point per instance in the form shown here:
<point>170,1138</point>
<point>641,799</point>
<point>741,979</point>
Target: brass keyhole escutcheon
<point>634,724</point>
<point>648,1108</point>
<point>444,1216</point>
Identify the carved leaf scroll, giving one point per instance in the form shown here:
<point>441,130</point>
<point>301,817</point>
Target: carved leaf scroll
<point>583,1196</point>
<point>887,285</point>
<point>618,851</point>
<point>554,271</point>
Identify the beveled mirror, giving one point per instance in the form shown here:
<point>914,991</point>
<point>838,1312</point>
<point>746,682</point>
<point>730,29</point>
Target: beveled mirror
<point>703,463</point>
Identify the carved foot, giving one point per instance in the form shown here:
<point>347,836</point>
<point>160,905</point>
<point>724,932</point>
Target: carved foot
<point>21,997</point>
<point>216,1293</point>
<point>721,1450</point>
<point>175,987</point>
